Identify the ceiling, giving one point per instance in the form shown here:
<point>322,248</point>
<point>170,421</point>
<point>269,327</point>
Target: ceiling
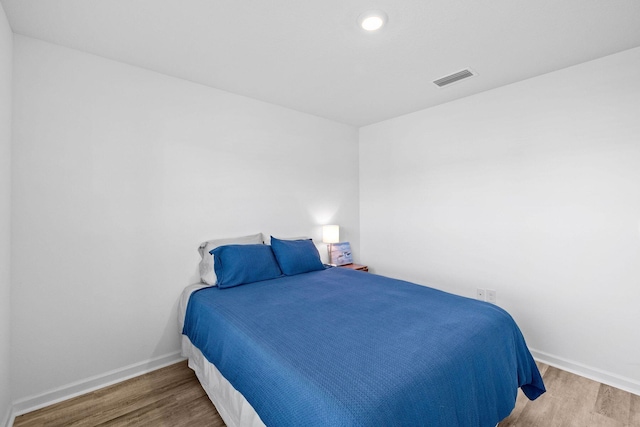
<point>309,55</point>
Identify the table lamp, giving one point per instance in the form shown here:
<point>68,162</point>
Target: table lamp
<point>330,235</point>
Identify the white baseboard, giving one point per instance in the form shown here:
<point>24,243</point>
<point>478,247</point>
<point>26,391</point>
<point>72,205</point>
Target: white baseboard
<point>28,404</point>
<point>595,374</point>
<point>8,421</point>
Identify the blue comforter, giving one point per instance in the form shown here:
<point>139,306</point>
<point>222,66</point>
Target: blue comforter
<point>345,348</point>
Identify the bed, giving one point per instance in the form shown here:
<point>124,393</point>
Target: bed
<point>337,347</point>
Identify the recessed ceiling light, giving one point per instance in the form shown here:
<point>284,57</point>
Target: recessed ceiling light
<point>372,20</point>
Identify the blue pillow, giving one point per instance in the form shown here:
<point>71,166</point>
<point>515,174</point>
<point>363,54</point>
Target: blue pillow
<point>296,256</point>
<point>239,264</point>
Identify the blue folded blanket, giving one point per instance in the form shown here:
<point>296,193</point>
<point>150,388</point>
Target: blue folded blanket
<point>344,348</point>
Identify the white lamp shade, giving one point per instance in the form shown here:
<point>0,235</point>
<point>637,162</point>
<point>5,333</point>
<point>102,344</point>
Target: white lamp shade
<point>331,233</point>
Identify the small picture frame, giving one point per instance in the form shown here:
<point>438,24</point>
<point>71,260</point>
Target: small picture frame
<point>340,254</point>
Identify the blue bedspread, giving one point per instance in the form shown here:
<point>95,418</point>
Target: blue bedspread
<point>345,348</point>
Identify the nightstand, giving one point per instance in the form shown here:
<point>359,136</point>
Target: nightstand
<point>358,267</point>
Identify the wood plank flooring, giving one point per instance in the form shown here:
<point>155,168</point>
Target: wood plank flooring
<point>574,401</point>
<point>172,396</point>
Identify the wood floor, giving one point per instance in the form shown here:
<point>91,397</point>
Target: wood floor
<point>571,401</point>
<point>173,397</point>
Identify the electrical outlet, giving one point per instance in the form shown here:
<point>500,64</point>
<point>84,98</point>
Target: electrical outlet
<point>491,296</point>
<point>480,293</point>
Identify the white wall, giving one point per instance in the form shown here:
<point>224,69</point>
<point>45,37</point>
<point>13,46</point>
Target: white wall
<point>533,190</point>
<point>118,174</point>
<point>6,61</point>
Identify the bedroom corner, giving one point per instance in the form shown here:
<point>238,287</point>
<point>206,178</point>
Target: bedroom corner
<point>6,64</point>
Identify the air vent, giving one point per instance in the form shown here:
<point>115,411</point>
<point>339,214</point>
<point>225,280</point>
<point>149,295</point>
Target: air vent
<point>455,77</point>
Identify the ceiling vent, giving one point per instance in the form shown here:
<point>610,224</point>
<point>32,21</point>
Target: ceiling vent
<point>454,78</point>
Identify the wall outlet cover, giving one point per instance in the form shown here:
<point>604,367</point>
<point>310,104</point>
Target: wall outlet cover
<point>491,296</point>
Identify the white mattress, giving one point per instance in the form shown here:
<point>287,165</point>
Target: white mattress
<point>230,403</point>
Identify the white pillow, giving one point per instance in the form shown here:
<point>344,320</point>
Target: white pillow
<point>207,274</point>
<point>289,238</point>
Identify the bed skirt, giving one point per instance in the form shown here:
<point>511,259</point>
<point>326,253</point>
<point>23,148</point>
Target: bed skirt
<point>230,403</point>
